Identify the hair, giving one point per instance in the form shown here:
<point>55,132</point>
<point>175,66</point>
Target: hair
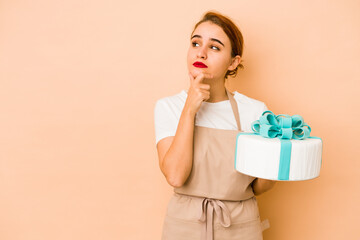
<point>233,33</point>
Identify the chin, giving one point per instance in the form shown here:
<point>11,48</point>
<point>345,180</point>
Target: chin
<point>204,70</point>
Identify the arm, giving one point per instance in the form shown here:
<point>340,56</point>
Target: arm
<point>260,185</point>
<point>175,153</point>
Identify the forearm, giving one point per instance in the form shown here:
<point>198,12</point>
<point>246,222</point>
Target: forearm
<point>177,162</point>
<point>260,185</point>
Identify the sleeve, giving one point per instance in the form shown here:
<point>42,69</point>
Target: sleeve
<point>265,108</point>
<point>165,121</point>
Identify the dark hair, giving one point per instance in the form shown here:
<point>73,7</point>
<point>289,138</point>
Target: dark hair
<point>231,30</point>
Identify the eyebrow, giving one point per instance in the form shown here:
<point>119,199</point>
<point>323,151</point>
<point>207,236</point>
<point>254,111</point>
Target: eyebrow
<point>212,39</point>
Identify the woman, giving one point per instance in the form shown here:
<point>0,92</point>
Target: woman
<point>196,136</point>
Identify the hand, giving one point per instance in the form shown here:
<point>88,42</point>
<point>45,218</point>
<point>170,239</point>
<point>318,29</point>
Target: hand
<point>198,91</point>
<point>261,185</point>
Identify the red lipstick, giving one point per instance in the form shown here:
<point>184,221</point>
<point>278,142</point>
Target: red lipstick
<point>199,65</point>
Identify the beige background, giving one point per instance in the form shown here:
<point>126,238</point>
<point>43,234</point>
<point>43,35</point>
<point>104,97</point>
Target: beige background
<point>79,81</point>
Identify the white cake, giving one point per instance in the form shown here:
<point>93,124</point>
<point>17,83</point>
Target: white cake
<point>259,156</point>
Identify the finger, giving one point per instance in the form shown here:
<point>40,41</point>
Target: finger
<point>196,72</point>
<point>191,77</point>
<point>199,78</point>
<point>208,75</point>
<point>204,86</point>
<point>202,76</point>
<point>204,91</point>
<point>205,94</point>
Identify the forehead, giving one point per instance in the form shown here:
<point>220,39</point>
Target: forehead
<point>209,30</point>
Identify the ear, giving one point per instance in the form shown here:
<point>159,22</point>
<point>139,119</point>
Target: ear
<point>234,62</point>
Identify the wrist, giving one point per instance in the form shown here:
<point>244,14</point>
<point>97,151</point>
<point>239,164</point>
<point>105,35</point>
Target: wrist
<point>188,112</point>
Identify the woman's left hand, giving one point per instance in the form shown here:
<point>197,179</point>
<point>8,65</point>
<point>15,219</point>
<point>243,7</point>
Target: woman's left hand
<point>261,185</point>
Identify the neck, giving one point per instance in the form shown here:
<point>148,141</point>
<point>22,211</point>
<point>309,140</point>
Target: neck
<point>217,91</point>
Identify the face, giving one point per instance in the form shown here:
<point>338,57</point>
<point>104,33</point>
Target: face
<point>211,46</point>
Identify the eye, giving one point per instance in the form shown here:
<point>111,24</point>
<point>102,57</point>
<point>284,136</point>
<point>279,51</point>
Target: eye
<point>194,44</point>
<point>215,48</point>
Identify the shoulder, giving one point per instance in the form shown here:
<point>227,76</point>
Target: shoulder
<point>171,105</point>
<point>167,114</point>
<point>251,102</point>
<point>250,109</point>
<point>174,102</point>
<point>175,99</point>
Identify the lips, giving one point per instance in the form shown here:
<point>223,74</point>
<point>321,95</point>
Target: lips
<point>199,65</point>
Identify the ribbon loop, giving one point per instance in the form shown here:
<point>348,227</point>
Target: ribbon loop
<point>207,212</point>
<point>282,126</point>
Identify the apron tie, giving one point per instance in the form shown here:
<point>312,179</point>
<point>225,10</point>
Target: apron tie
<point>207,210</point>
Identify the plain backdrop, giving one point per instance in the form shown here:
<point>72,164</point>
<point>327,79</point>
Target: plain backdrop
<point>78,85</point>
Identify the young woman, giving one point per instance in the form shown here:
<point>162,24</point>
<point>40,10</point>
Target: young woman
<point>196,136</point>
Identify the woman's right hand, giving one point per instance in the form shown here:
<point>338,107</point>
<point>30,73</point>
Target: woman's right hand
<point>198,92</point>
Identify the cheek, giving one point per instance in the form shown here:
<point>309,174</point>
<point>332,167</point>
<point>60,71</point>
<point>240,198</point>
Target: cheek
<point>220,67</point>
<point>223,63</point>
<point>189,56</point>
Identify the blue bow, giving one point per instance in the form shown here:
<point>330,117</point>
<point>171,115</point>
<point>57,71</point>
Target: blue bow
<point>282,126</point>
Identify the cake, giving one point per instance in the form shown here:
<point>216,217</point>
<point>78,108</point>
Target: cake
<point>279,148</point>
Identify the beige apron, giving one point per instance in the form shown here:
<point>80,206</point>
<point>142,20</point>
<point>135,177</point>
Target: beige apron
<point>216,201</point>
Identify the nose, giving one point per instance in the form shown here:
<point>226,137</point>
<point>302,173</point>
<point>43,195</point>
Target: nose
<point>202,52</point>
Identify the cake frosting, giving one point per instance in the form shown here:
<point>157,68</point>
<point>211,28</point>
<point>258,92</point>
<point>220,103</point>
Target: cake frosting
<point>280,148</point>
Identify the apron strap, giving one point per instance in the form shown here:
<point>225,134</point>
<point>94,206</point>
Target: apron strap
<point>265,224</point>
<point>208,206</point>
<point>234,108</point>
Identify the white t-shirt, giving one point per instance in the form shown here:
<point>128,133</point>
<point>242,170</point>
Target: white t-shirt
<point>213,115</point>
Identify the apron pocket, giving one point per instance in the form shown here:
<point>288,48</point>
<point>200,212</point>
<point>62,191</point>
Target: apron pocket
<point>244,211</point>
<point>250,230</point>
<point>178,229</point>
